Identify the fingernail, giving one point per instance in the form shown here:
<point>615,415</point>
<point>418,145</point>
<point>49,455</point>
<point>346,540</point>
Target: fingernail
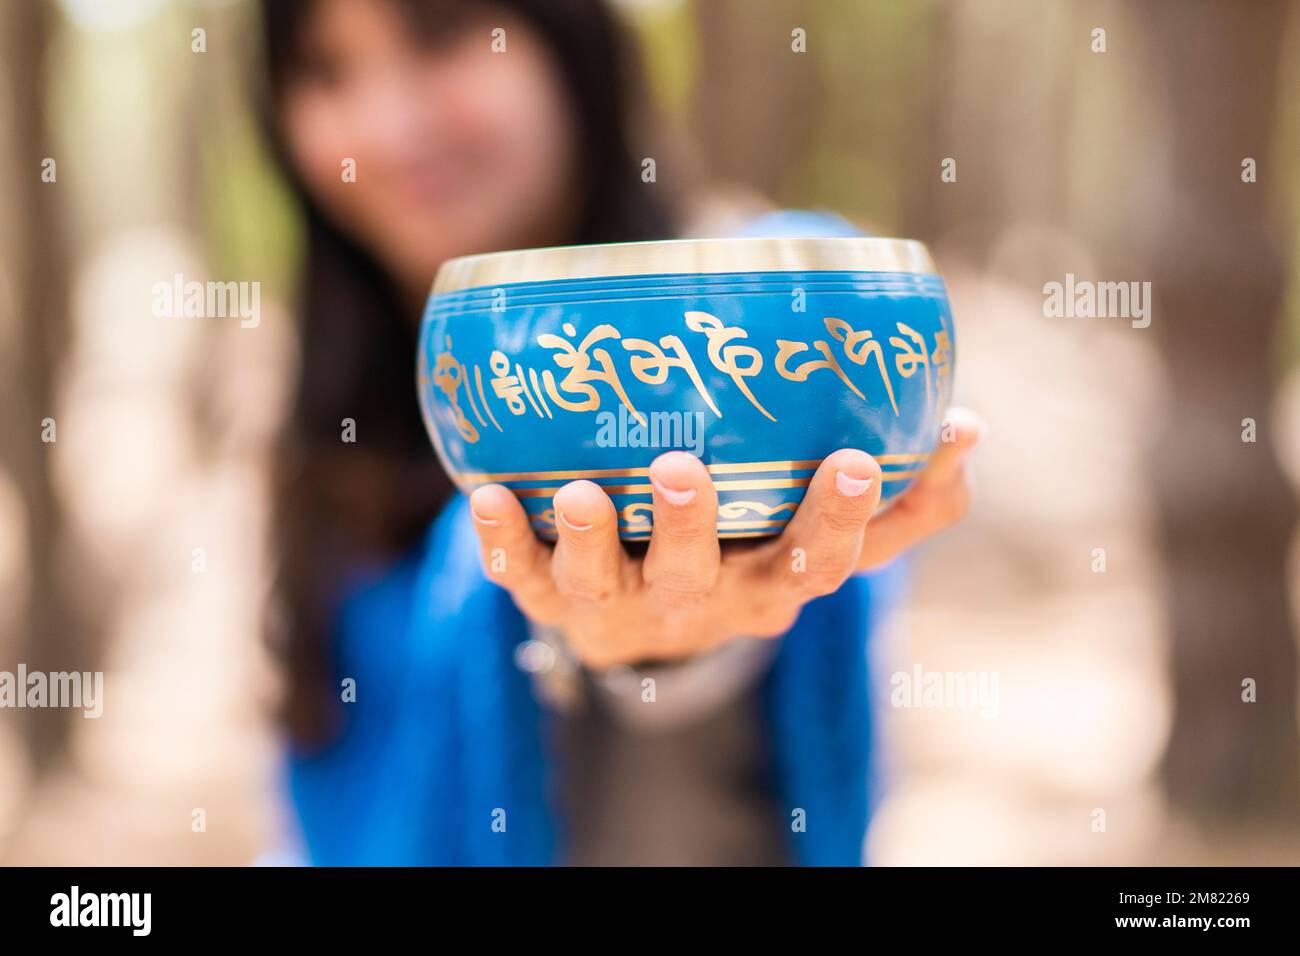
<point>570,525</point>
<point>851,487</point>
<point>490,522</point>
<point>674,496</point>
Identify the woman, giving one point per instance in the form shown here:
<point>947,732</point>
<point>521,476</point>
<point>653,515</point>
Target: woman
<point>414,132</point>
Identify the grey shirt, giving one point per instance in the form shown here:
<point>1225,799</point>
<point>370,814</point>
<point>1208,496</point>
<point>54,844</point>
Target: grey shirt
<point>667,765</point>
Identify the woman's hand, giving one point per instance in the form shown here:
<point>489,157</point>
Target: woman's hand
<point>687,594</point>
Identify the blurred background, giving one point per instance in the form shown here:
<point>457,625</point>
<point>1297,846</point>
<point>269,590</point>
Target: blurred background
<point>1132,558</point>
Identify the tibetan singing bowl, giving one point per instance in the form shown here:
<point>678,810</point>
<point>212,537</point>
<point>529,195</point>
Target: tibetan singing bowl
<point>759,356</point>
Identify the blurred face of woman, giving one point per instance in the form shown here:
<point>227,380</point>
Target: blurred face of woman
<point>457,148</point>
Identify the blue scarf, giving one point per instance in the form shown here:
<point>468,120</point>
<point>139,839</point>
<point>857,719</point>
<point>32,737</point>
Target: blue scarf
<point>443,759</point>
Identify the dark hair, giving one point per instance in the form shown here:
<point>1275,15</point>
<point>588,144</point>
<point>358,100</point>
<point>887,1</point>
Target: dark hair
<point>342,505</point>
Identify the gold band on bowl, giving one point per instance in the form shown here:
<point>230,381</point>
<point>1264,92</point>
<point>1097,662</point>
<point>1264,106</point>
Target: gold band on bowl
<point>685,256</point>
<point>728,468</point>
<point>553,535</point>
<point>745,484</point>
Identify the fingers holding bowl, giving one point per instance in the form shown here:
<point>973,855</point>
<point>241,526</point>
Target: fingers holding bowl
<point>681,566</point>
<point>820,547</point>
<point>512,555</point>
<point>590,564</point>
<point>939,498</point>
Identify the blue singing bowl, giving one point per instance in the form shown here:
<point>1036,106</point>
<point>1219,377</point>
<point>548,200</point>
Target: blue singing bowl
<point>759,356</point>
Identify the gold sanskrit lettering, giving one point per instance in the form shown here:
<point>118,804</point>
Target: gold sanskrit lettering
<point>652,368</point>
<point>726,358</point>
<point>580,375</point>
<point>448,374</point>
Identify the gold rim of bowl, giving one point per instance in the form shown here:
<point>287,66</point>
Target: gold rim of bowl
<point>685,256</point>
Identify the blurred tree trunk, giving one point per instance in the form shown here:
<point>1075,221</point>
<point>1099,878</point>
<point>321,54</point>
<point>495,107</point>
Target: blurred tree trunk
<point>32,336</point>
<point>922,213</point>
<point>1004,119</point>
<point>1226,511</point>
<point>756,97</point>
